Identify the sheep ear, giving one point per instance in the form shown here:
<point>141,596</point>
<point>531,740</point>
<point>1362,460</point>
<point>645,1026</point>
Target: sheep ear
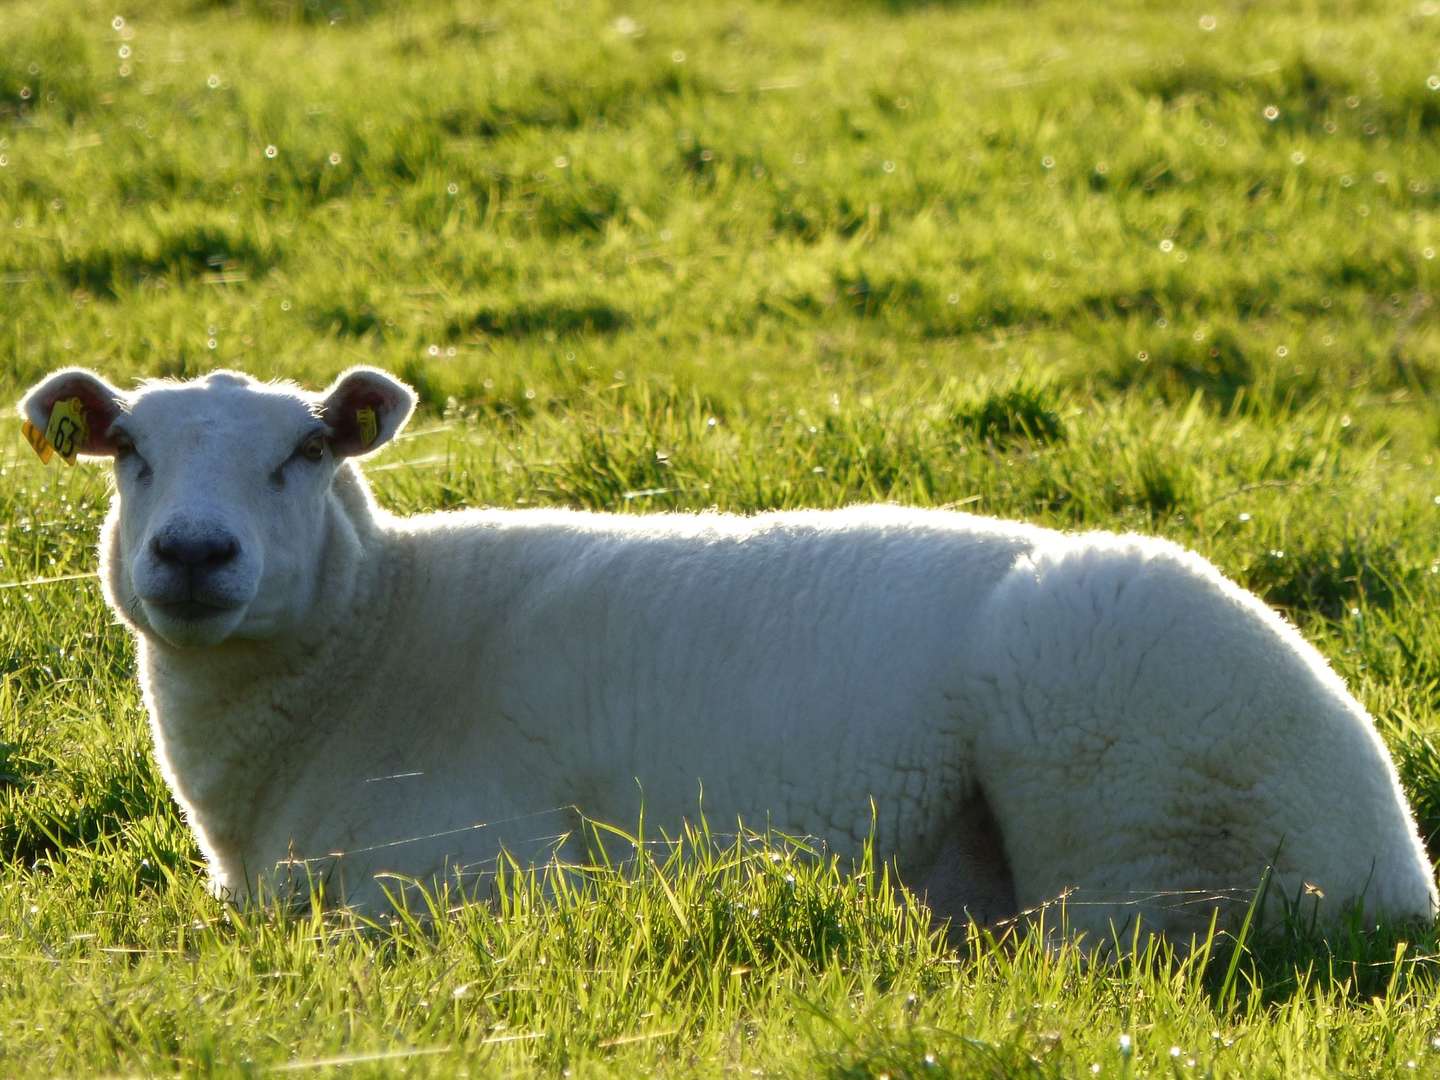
<point>70,413</point>
<point>365,408</point>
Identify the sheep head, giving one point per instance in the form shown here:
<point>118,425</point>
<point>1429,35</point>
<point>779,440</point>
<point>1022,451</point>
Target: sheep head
<point>221,484</point>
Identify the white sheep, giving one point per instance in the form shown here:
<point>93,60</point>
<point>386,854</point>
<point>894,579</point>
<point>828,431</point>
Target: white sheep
<point>1032,712</point>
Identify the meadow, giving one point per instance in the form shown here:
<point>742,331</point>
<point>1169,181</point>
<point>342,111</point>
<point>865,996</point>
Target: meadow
<point>1142,265</point>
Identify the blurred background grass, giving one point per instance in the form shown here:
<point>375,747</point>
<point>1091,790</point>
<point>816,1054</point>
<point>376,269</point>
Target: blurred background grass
<point>739,200</point>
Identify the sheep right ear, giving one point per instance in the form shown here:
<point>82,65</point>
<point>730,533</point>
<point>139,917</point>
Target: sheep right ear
<point>365,408</point>
<point>70,413</point>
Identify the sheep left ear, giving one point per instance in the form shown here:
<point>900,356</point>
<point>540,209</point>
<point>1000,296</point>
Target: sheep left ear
<point>70,413</point>
<point>365,408</point>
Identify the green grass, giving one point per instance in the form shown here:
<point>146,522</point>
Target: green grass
<point>1129,266</point>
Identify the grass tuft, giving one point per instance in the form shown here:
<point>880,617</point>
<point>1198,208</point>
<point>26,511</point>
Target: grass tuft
<point>1021,412</point>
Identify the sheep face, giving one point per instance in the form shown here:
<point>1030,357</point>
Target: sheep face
<point>221,489</point>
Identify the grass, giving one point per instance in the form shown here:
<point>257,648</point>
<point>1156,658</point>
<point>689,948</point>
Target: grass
<point>1131,266</point>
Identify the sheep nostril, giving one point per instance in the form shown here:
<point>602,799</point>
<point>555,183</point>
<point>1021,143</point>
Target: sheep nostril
<point>196,552</point>
<point>225,549</point>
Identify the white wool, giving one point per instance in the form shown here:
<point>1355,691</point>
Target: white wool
<point>1031,712</point>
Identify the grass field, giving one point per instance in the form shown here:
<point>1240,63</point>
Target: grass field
<point>1133,266</point>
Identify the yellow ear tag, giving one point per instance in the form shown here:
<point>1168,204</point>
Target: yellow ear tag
<point>68,430</point>
<point>369,426</point>
<point>36,439</point>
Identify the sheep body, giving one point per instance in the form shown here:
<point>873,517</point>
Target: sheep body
<point>534,661</point>
<point>1031,712</point>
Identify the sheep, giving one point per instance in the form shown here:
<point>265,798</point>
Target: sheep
<point>1009,713</point>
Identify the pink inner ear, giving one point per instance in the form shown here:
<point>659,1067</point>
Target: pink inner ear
<point>357,390</point>
<point>341,414</point>
<point>100,404</point>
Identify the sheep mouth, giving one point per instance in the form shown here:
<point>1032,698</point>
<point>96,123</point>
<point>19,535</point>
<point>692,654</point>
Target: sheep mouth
<point>191,610</point>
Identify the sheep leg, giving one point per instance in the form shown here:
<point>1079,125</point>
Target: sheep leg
<point>969,879</point>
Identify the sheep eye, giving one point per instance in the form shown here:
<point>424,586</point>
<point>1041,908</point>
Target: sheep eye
<point>313,448</point>
<point>125,452</point>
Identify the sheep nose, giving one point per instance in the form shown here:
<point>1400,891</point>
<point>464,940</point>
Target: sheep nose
<point>208,552</point>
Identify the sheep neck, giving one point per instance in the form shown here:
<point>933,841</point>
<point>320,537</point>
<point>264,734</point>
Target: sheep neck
<point>222,770</point>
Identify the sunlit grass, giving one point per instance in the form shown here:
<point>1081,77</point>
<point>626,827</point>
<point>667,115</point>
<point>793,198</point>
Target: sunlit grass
<point>1132,266</point>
